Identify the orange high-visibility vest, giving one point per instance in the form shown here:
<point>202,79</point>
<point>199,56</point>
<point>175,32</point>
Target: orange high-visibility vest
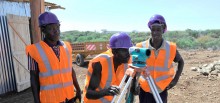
<point>55,76</point>
<point>109,76</point>
<point>160,67</point>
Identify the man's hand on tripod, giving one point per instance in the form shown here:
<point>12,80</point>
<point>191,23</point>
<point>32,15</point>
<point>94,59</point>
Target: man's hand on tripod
<point>113,90</point>
<point>131,72</point>
<point>146,73</point>
<point>137,69</point>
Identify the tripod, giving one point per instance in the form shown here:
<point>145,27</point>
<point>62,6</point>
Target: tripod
<point>148,78</point>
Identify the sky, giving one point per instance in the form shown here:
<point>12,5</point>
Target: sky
<point>129,15</point>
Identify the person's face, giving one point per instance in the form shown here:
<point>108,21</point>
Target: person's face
<point>122,55</point>
<point>157,31</point>
<point>52,32</point>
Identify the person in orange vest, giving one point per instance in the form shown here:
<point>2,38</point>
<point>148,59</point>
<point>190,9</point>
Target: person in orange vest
<point>159,64</point>
<point>106,70</point>
<point>53,80</point>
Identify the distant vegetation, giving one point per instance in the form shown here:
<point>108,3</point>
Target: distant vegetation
<point>188,39</point>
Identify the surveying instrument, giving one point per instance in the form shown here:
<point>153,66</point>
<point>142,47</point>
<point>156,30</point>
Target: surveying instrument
<point>139,57</point>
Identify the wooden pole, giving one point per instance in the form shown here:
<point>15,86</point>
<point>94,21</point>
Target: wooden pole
<point>37,7</point>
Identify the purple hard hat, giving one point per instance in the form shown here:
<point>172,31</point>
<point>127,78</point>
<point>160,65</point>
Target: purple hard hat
<point>120,40</point>
<point>157,18</point>
<point>47,18</point>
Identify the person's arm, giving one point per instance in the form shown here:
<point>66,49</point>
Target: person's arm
<point>76,84</point>
<point>180,66</point>
<point>94,84</point>
<point>34,78</point>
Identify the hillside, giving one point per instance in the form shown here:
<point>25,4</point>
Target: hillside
<point>188,39</point>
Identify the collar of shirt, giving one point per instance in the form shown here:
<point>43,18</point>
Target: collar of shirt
<point>59,43</point>
<point>151,47</point>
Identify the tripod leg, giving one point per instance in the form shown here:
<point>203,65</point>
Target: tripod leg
<point>137,78</point>
<point>133,87</point>
<point>154,89</point>
<point>130,97</point>
<point>126,86</point>
<point>120,86</point>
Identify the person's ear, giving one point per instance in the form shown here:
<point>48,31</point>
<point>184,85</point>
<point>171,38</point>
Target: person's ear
<point>42,29</point>
<point>164,27</point>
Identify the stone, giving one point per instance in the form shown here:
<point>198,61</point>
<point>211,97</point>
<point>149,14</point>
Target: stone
<point>209,68</point>
<point>217,67</point>
<point>204,65</point>
<point>215,72</point>
<point>217,62</point>
<point>204,72</point>
<point>194,68</point>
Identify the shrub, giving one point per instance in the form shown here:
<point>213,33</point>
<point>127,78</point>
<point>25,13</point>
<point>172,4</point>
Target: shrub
<point>188,43</point>
<point>204,41</point>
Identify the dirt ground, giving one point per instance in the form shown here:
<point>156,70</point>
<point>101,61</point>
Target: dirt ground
<point>191,88</point>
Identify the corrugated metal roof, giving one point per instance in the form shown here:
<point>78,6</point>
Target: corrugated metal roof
<point>16,8</point>
<point>53,6</point>
<point>50,5</point>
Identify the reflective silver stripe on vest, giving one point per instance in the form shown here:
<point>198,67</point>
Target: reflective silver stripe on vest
<point>54,86</point>
<point>125,67</point>
<point>69,69</point>
<point>161,78</point>
<point>89,74</point>
<point>104,100</point>
<point>67,53</point>
<point>165,68</point>
<point>166,60</point>
<point>46,62</point>
<point>66,70</point>
<point>53,72</point>
<point>150,68</point>
<point>162,69</point>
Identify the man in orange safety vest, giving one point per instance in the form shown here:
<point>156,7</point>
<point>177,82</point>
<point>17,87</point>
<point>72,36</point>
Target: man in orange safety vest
<point>53,80</point>
<point>159,64</point>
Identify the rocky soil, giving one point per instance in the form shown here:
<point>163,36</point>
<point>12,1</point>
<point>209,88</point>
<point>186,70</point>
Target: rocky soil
<point>199,82</point>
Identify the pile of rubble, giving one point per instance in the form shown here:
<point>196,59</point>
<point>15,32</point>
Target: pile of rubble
<point>208,69</point>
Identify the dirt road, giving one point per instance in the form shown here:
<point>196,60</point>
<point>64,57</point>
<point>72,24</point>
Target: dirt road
<point>192,87</point>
